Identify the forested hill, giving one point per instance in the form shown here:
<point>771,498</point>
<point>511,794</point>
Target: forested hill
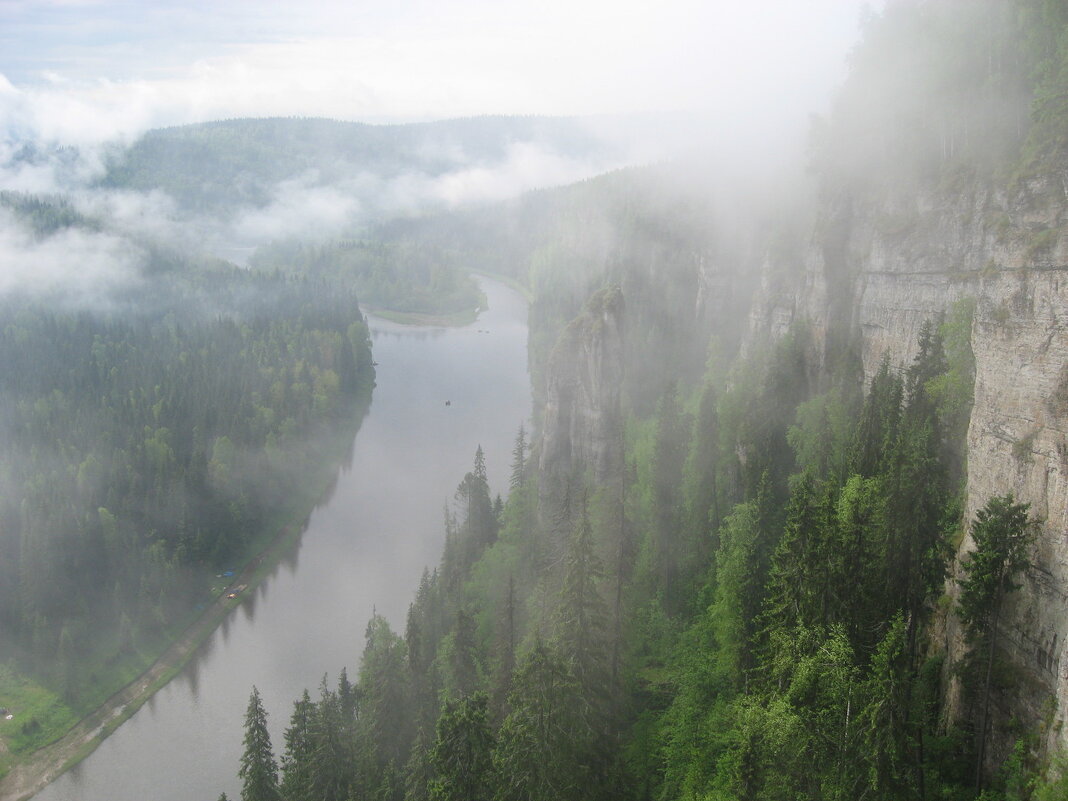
<point>161,423</point>
<point>820,557</point>
<point>308,195</point>
<point>223,166</point>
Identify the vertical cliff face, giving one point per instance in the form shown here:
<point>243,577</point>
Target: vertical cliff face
<point>878,271</point>
<point>581,424</point>
<point>1018,442</point>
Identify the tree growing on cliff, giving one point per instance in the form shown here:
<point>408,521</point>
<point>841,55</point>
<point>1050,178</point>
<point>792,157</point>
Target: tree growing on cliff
<point>1002,533</point>
<point>519,459</point>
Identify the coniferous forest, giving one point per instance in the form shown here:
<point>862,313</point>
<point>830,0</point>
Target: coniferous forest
<point>740,555</point>
<point>152,444</point>
<point>749,603</point>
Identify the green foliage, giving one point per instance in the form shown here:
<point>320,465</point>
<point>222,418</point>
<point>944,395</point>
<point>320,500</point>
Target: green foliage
<point>40,715</point>
<point>821,435</point>
<point>772,560</point>
<point>670,547</point>
<point>877,428</point>
<point>259,771</point>
<point>151,443</point>
<point>385,702</point>
<point>398,276</point>
<point>543,743</point>
<point>1047,39</point>
<point>462,754</point>
<point>45,216</point>
<point>787,666</point>
<point>798,585</point>
<point>296,761</point>
<point>1002,533</point>
<point>474,530</point>
<point>740,575</point>
<point>1055,784</point>
<point>953,390</point>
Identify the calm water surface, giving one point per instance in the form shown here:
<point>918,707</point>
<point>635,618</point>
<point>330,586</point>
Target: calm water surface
<point>364,548</point>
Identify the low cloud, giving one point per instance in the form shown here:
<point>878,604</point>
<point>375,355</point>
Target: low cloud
<point>527,166</point>
<point>74,266</point>
<point>298,207</point>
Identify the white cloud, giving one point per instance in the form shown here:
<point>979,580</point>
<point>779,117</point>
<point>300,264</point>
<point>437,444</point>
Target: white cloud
<point>76,266</point>
<point>93,71</point>
<point>527,166</point>
<point>419,60</point>
<point>299,207</point>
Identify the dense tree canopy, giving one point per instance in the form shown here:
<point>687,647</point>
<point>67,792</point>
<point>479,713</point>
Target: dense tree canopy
<point>147,442</point>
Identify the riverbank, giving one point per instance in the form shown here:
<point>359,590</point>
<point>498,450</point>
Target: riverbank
<point>362,554</point>
<point>453,320</point>
<point>514,284</point>
<point>30,773</point>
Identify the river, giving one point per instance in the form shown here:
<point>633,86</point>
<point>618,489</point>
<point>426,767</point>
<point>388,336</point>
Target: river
<point>364,549</point>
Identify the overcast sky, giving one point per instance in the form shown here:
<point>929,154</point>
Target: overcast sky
<point>83,70</point>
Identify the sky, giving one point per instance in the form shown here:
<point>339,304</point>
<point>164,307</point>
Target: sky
<point>84,71</point>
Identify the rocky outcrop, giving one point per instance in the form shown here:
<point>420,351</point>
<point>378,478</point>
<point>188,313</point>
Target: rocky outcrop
<point>881,271</point>
<point>581,425</point>
<point>1018,442</point>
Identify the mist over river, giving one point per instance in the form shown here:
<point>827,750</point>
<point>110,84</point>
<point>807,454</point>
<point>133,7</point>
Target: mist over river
<point>364,549</point>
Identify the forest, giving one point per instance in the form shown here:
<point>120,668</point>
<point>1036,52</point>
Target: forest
<point>703,628</point>
<point>222,166</point>
<point>150,445</point>
<point>755,572</point>
<point>750,604</point>
<point>393,276</point>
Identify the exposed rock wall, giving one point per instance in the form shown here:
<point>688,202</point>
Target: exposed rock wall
<point>1018,442</point>
<point>879,271</point>
<point>580,432</point>
<point>882,270</point>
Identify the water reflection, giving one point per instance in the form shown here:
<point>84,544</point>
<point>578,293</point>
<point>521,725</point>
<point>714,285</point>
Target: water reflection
<point>248,601</point>
<point>190,677</point>
<point>290,560</point>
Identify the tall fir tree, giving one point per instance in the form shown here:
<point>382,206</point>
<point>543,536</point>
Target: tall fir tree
<point>299,745</point>
<point>462,756</point>
<point>1002,533</point>
<point>259,771</point>
<point>519,459</point>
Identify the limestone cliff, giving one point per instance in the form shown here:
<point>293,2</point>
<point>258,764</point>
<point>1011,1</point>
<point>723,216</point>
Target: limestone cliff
<point>580,431</point>
<point>879,270</point>
<point>877,266</point>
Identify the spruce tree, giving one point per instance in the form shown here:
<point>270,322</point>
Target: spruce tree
<point>463,655</point>
<point>1002,533</point>
<point>259,771</point>
<point>297,759</point>
<point>462,754</point>
<point>504,667</point>
<point>519,459</point>
<point>583,616</point>
<point>541,744</point>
